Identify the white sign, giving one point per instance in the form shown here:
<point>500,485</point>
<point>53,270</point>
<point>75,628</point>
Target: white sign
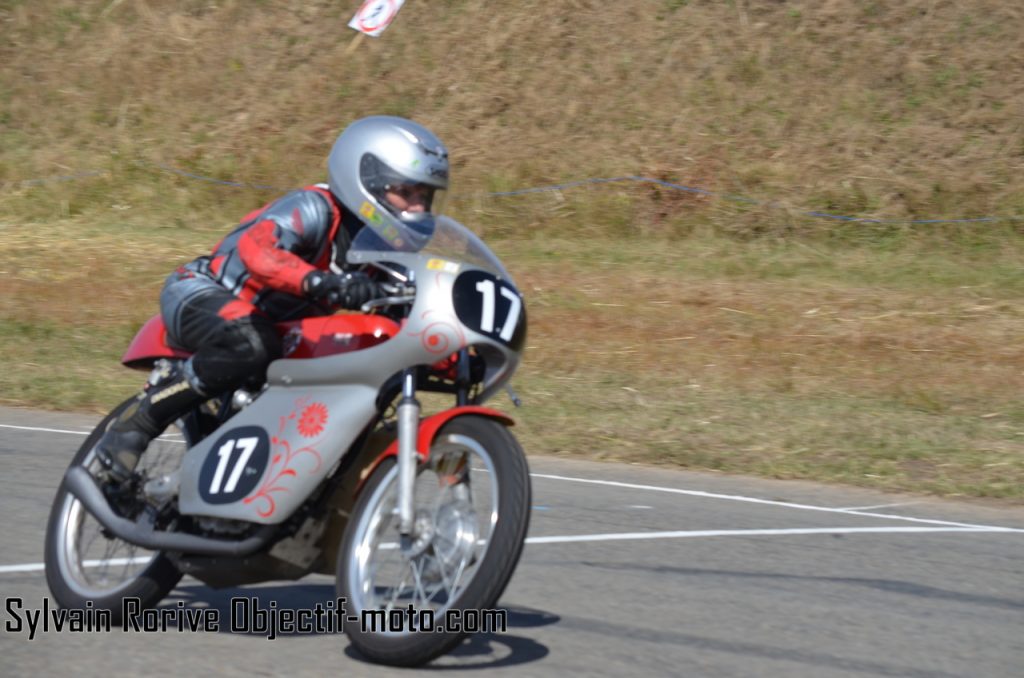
<point>375,15</point>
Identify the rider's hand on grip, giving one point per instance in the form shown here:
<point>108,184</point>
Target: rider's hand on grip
<point>348,291</point>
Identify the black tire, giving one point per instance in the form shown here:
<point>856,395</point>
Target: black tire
<point>65,572</point>
<point>491,572</point>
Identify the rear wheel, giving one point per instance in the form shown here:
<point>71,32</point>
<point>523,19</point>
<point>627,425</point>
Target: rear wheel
<point>84,563</point>
<point>472,508</point>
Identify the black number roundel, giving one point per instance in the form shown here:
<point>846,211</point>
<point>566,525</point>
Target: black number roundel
<point>234,465</point>
<point>491,306</point>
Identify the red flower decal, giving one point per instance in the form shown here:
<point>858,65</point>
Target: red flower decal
<point>312,421</point>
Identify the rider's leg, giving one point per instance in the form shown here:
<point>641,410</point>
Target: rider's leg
<point>154,410</point>
<point>233,344</point>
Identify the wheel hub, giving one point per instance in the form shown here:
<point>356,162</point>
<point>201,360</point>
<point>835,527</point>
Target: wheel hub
<point>456,534</point>
<point>443,543</point>
<point>422,534</point>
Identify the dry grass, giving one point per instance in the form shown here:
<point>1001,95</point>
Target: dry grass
<point>899,386</point>
<point>891,109</point>
<point>665,326</point>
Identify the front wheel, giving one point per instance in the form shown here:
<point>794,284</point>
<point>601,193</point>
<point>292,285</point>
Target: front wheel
<point>472,510</point>
<point>84,563</point>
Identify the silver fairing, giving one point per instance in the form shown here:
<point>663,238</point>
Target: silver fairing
<point>313,409</point>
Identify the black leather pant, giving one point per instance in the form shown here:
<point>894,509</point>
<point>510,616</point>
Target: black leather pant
<point>232,342</point>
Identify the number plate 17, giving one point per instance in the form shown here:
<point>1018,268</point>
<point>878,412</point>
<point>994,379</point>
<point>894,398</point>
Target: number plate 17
<point>491,306</point>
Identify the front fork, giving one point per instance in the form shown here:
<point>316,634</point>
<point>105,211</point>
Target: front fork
<point>408,414</point>
<point>408,432</point>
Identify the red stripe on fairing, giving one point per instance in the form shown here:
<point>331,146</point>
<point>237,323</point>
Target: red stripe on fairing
<point>268,265</point>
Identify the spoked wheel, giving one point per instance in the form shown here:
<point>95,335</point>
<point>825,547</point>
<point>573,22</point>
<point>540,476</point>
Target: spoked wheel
<point>84,562</point>
<point>472,509</point>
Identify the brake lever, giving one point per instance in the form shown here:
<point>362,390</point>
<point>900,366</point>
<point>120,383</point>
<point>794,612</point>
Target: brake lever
<point>387,301</point>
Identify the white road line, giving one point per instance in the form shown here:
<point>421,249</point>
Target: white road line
<point>683,534</point>
<point>46,430</point>
<point>700,493</point>
<point>170,438</point>
<point>754,500</point>
<point>29,567</point>
<point>632,536</point>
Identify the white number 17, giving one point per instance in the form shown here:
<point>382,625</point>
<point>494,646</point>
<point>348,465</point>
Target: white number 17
<point>486,288</point>
<point>247,445</point>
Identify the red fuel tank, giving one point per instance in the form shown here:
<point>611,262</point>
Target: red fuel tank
<point>307,338</point>
<point>327,335</point>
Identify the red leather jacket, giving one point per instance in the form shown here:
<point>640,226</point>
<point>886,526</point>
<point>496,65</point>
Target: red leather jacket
<point>264,260</point>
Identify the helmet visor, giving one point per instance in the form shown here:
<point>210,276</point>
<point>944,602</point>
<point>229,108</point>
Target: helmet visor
<point>410,200</point>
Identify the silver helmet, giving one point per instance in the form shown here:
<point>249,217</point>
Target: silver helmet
<point>393,173</point>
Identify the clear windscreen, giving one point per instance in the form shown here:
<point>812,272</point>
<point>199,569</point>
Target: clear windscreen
<point>443,238</point>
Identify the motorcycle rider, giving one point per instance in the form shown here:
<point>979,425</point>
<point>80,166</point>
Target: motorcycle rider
<point>283,261</point>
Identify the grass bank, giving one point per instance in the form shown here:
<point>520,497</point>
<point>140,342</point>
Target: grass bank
<point>686,328</point>
<point>895,366</point>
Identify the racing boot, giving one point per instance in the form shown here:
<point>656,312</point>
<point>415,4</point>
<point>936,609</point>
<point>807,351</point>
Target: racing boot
<point>154,410</point>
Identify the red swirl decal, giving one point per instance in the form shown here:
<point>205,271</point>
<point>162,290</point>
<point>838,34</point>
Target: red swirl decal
<point>311,423</point>
<point>441,336</point>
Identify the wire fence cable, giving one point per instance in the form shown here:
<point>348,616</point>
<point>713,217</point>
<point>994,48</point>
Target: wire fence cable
<point>536,189</point>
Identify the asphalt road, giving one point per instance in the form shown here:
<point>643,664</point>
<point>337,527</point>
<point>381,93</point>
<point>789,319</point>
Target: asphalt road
<point>629,570</point>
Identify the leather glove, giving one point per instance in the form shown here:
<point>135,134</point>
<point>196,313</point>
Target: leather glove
<point>348,290</point>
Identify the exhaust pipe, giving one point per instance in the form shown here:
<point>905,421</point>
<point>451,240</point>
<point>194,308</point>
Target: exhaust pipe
<point>83,486</point>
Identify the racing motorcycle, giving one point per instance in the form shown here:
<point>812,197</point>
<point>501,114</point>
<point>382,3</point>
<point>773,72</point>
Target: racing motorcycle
<point>329,466</point>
